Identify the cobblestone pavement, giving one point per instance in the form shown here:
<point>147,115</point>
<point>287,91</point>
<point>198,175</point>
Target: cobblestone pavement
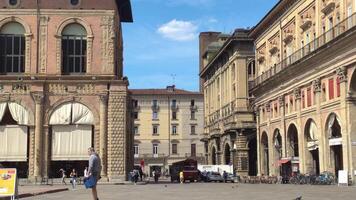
<point>200,191</point>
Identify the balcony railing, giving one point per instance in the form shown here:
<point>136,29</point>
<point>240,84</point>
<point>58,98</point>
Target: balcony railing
<point>323,39</point>
<point>155,107</point>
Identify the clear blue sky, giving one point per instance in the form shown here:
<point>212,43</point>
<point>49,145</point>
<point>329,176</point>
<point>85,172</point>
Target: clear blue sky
<point>161,46</point>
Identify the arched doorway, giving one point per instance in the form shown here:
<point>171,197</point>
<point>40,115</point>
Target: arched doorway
<point>14,137</point>
<point>213,156</point>
<point>311,148</point>
<point>227,155</point>
<point>335,142</point>
<point>277,144</point>
<point>292,151</point>
<point>71,134</point>
<point>264,154</point>
<point>252,157</point>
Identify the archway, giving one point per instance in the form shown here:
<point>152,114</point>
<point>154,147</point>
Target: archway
<point>213,156</point>
<point>311,148</point>
<point>293,148</point>
<point>264,154</point>
<point>227,154</point>
<point>14,137</point>
<point>334,135</point>
<point>277,150</point>
<point>71,133</point>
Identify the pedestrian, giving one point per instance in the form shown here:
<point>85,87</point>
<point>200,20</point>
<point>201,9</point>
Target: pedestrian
<point>94,170</point>
<point>181,177</point>
<point>156,176</point>
<point>63,175</point>
<point>225,176</point>
<point>136,174</point>
<point>73,176</point>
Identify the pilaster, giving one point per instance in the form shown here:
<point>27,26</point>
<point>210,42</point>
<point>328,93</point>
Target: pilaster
<point>103,133</point>
<point>38,153</point>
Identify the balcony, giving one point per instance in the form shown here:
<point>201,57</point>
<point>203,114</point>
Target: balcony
<point>323,39</point>
<point>306,23</point>
<point>136,108</point>
<point>155,107</point>
<point>328,6</point>
<point>288,38</point>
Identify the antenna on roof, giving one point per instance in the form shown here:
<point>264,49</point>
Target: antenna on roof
<point>174,78</point>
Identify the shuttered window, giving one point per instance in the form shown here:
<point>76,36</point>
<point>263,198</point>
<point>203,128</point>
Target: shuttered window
<point>331,88</point>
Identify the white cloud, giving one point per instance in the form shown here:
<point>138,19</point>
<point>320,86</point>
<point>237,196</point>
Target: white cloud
<point>179,30</point>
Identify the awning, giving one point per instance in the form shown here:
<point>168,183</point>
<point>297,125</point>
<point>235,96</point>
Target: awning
<point>283,161</point>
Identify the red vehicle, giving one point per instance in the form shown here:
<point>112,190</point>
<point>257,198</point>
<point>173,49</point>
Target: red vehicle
<point>189,168</point>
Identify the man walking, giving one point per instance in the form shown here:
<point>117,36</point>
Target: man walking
<point>94,170</point>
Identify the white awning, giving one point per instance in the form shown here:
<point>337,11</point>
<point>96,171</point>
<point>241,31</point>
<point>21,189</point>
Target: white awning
<point>71,142</point>
<point>19,113</point>
<point>72,113</point>
<point>13,143</point>
<point>2,110</point>
<point>335,141</point>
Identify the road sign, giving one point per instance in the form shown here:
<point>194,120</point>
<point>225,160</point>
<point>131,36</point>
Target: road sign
<point>8,177</point>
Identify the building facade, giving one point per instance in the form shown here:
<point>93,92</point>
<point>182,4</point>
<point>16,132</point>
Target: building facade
<point>61,87</point>
<point>168,127</point>
<point>305,87</point>
<point>229,129</point>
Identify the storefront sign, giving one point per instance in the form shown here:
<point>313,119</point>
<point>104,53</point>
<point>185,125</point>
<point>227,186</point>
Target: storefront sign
<point>343,178</point>
<point>335,141</point>
<point>8,182</point>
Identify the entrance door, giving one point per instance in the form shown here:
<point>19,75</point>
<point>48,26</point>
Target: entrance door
<point>315,156</point>
<point>337,154</point>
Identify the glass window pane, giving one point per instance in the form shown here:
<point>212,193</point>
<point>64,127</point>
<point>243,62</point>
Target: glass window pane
<point>23,44</point>
<point>2,64</point>
<point>70,47</point>
<point>22,63</point>
<point>77,46</point>
<point>77,64</point>
<point>16,64</point>
<point>84,64</point>
<point>70,64</point>
<point>84,47</point>
<point>9,45</point>
<point>16,45</point>
<point>8,64</point>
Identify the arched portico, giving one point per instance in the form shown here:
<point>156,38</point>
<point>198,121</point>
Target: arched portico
<point>334,138</point>
<point>312,145</point>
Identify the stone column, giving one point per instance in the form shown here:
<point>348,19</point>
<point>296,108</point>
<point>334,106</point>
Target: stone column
<point>242,154</point>
<point>103,133</point>
<point>38,152</point>
<point>31,161</point>
<point>258,137</point>
<point>283,128</point>
<point>345,128</point>
<point>46,158</point>
<point>297,99</point>
<point>117,146</point>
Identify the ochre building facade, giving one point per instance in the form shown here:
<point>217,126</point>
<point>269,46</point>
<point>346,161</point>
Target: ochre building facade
<point>62,88</point>
<point>168,127</point>
<point>305,87</point>
<point>229,124</point>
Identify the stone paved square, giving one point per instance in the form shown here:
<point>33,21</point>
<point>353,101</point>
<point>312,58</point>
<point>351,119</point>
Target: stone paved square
<point>207,191</point>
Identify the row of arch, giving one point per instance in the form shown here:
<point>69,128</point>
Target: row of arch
<point>306,144</point>
<point>71,132</point>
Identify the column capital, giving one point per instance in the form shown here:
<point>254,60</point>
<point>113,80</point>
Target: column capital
<point>268,106</point>
<point>342,74</point>
<point>37,97</point>
<point>316,85</point>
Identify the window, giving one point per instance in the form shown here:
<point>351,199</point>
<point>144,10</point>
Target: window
<point>74,49</point>
<point>331,88</point>
<point>323,92</point>
<point>174,130</point>
<point>12,51</point>
<point>174,115</point>
<point>303,99</point>
<point>192,129</point>
<point>192,114</point>
<point>155,149</point>
<point>192,102</point>
<point>136,130</point>
<point>174,148</point>
<point>135,103</point>
<point>136,150</point>
<point>155,129</point>
<point>135,115</point>
<point>154,115</point>
<point>13,2</point>
<point>74,2</point>
<point>154,103</point>
<point>174,103</point>
<point>193,150</point>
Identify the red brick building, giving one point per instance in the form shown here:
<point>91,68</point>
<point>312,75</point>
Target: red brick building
<point>61,86</point>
